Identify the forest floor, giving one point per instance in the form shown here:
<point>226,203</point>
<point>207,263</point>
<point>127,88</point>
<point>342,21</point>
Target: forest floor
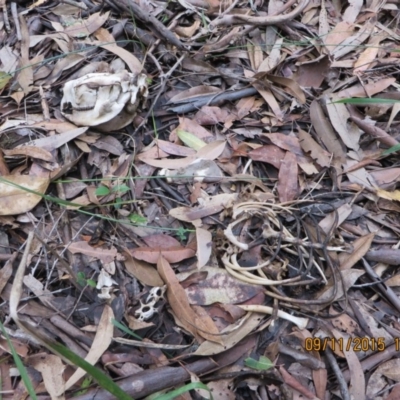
<point>198,199</point>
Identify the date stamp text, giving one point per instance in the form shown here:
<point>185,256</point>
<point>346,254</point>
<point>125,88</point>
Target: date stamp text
<point>347,344</point>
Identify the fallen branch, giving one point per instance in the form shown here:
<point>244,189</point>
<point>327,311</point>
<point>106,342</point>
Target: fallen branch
<point>153,380</point>
<point>236,19</point>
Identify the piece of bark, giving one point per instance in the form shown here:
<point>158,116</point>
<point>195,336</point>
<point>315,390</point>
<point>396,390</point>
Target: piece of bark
<point>386,256</point>
<point>150,381</point>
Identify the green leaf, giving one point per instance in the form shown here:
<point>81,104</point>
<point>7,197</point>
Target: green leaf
<point>177,392</point>
<point>20,366</point>
<point>117,203</point>
<point>85,384</point>
<point>138,219</point>
<point>120,189</point>
<point>102,191</point>
<point>123,328</point>
<point>91,283</point>
<point>81,278</point>
<point>262,364</point>
<point>181,233</point>
<point>391,150</point>
<point>190,140</point>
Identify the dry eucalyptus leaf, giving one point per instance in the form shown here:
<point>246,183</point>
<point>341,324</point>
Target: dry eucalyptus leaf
<point>100,344</point>
<point>200,170</point>
<point>52,368</point>
<point>15,195</point>
<point>107,101</point>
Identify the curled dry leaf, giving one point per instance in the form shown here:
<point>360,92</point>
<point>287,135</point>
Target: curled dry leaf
<point>232,335</point>
<point>199,170</point>
<point>16,195</point>
<point>219,287</point>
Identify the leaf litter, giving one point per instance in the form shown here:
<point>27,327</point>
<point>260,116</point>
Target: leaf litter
<point>231,198</point>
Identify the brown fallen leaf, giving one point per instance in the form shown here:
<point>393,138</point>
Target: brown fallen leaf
<point>102,340</point>
<point>325,132</point>
<point>270,154</point>
<point>308,144</point>
<point>106,255</point>
<point>360,248</point>
<point>189,125</point>
<point>25,75</point>
<point>84,27</point>
<point>342,213</point>
<point>199,324</point>
<point>369,89</point>
<point>211,115</point>
<point>52,368</point>
<point>338,34</point>
<point>16,195</point>
<point>107,41</point>
<point>219,287</point>
<point>204,246</point>
<point>288,187</point>
<point>142,271</point>
<point>30,151</point>
<point>369,54</point>
<point>18,346</point>
<point>357,376</point>
<point>172,254</point>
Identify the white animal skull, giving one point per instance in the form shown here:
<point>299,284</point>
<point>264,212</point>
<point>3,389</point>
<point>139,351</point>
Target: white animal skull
<point>106,101</point>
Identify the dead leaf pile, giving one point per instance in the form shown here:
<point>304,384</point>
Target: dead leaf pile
<point>242,224</point>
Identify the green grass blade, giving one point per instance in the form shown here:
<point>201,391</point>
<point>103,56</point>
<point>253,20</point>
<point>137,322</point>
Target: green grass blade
<point>391,150</point>
<point>177,392</point>
<point>101,378</point>
<point>123,328</point>
<point>20,366</point>
<point>365,101</point>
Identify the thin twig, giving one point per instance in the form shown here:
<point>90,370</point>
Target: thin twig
<point>344,391</point>
<point>237,19</point>
<point>14,13</point>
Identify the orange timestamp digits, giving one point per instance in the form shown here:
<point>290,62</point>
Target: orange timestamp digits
<point>347,344</point>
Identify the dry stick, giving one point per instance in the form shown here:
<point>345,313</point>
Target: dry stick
<point>6,19</point>
<point>14,13</point>
<point>379,357</point>
<point>344,390</point>
<point>164,82</point>
<point>159,29</point>
<point>295,384</point>
<point>374,131</point>
<point>304,359</point>
<point>150,381</point>
<point>236,19</point>
<point>232,6</point>
<point>385,255</point>
<point>226,96</point>
<point>386,291</point>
